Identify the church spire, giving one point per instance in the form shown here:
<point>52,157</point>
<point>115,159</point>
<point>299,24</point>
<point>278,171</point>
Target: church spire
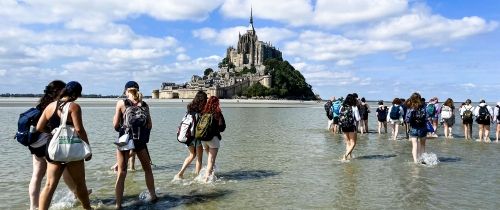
<point>251,19</point>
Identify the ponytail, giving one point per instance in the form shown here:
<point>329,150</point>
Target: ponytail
<point>136,94</point>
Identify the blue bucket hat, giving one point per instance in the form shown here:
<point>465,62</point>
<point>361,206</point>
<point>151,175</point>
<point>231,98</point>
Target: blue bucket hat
<point>74,87</point>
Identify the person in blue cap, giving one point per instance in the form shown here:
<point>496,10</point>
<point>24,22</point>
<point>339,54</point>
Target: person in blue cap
<point>138,134</point>
<point>50,119</point>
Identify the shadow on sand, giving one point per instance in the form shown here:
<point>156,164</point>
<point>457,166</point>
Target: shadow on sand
<point>449,159</point>
<point>166,201</point>
<point>247,174</point>
<point>376,157</point>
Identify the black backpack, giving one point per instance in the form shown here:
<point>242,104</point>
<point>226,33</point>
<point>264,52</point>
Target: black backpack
<point>346,119</point>
<point>135,120</point>
<point>484,115</point>
<point>418,118</point>
<point>382,114</point>
<point>363,111</point>
<point>467,115</point>
<point>498,114</point>
<point>328,109</point>
<point>26,133</point>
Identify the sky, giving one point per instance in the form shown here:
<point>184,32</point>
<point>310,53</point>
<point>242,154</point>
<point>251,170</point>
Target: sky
<point>380,49</point>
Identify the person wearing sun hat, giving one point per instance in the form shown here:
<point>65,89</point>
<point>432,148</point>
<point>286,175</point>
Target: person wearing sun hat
<point>140,139</point>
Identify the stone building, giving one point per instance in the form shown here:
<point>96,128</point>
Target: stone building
<point>229,80</point>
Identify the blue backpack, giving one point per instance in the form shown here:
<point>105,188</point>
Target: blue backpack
<point>336,108</point>
<point>395,114</point>
<point>26,132</point>
<point>431,110</point>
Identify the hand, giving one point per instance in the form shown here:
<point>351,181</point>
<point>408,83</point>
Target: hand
<point>88,158</point>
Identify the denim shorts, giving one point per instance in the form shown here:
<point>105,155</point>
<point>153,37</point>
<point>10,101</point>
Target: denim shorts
<point>418,132</point>
<point>194,143</point>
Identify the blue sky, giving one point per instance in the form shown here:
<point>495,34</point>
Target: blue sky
<point>380,49</point>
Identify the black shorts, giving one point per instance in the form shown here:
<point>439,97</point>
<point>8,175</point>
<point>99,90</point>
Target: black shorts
<point>139,145</point>
<point>348,129</point>
<point>39,152</point>
<point>336,120</point>
<point>467,121</point>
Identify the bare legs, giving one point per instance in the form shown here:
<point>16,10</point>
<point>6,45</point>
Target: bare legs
<point>39,168</point>
<point>395,130</point>
<point>497,132</point>
<point>193,153</point>
<point>350,140</point>
<point>76,170</point>
<point>418,148</point>
<point>468,131</point>
<point>148,172</point>
<point>380,125</point>
<point>121,161</point>
<point>484,133</point>
<point>212,155</point>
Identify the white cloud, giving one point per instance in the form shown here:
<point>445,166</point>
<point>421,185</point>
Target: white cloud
<point>344,62</point>
<point>294,12</point>
<point>321,46</point>
<point>333,13</point>
<point>320,75</point>
<point>229,36</point>
<point>2,72</point>
<point>420,24</point>
<point>182,57</point>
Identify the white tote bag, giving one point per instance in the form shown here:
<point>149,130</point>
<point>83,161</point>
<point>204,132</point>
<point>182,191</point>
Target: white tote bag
<point>124,142</point>
<point>66,145</point>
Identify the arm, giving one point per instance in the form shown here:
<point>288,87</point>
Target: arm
<point>150,122</point>
<point>401,113</point>
<point>76,118</point>
<point>388,117</point>
<point>44,119</point>
<point>118,115</point>
<point>355,111</point>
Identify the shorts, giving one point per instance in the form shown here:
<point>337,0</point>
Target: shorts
<point>450,121</point>
<point>486,122</point>
<point>395,121</point>
<point>349,129</point>
<point>214,143</point>
<point>336,120</point>
<point>467,121</point>
<point>382,120</point>
<point>139,145</point>
<point>194,143</point>
<point>418,132</point>
<point>39,151</point>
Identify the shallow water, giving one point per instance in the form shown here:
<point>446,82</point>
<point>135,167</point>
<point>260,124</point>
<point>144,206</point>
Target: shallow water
<point>272,157</point>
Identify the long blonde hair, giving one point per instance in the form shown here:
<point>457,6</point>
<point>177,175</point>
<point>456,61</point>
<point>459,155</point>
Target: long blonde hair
<point>136,94</point>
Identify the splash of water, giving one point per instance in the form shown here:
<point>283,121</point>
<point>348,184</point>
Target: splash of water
<point>430,159</point>
<point>63,199</point>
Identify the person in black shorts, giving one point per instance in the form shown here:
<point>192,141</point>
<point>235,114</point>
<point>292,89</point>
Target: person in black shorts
<point>349,115</point>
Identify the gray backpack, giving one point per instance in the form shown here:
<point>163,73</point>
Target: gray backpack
<point>135,118</point>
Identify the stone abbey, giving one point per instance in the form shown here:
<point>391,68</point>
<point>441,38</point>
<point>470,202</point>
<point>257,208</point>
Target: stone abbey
<point>242,67</point>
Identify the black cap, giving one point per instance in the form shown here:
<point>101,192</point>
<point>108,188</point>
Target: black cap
<point>131,84</point>
<point>74,87</point>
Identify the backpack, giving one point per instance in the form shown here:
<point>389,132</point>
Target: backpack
<point>382,114</point>
<point>418,118</point>
<point>363,111</point>
<point>204,128</point>
<point>336,108</point>
<point>328,109</point>
<point>484,115</point>
<point>446,112</point>
<point>185,131</point>
<point>395,114</point>
<point>467,115</point>
<point>346,119</point>
<point>26,133</point>
<point>431,109</point>
<point>498,113</point>
<point>135,118</point>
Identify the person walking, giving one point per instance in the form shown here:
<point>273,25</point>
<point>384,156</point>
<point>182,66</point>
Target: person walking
<point>349,115</point>
<point>364,111</point>
<point>417,119</point>
<point>38,148</point>
<point>395,117</point>
<point>382,117</point>
<point>51,118</point>
<point>496,117</point>
<point>212,143</point>
<point>467,115</point>
<point>448,117</point>
<point>433,109</point>
<point>138,135</point>
<point>194,146</point>
<point>483,118</point>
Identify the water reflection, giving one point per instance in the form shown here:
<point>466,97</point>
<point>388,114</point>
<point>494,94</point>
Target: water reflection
<point>348,198</point>
<point>247,174</point>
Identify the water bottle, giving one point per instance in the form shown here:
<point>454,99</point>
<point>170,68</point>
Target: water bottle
<point>32,129</point>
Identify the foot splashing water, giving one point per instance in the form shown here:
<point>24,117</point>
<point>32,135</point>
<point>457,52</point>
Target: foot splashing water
<point>429,159</point>
<point>63,199</point>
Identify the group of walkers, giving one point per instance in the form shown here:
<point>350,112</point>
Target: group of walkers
<point>419,119</point>
<point>57,94</point>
